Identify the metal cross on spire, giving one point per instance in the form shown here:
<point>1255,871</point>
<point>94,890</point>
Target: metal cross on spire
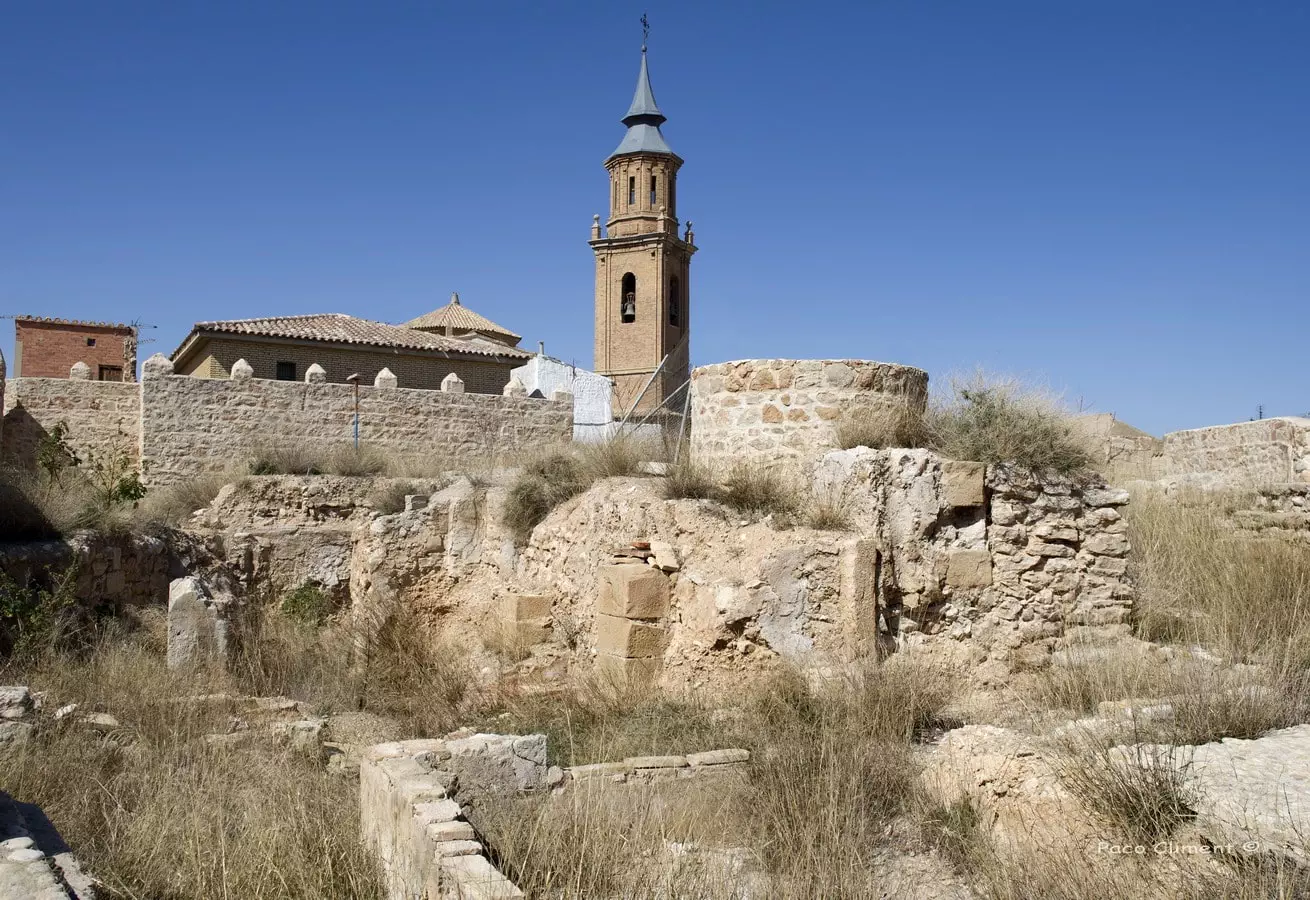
<point>645,32</point>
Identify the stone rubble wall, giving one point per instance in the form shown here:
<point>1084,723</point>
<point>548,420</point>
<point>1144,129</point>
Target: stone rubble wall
<point>1247,454</point>
<point>194,425</point>
<point>103,417</point>
<point>411,819</point>
<point>993,565</point>
<point>113,571</point>
<point>282,531</point>
<point>644,770</point>
<point>1277,511</point>
<point>784,413</point>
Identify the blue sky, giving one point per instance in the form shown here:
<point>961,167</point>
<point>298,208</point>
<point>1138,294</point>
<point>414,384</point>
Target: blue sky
<point>1110,197</point>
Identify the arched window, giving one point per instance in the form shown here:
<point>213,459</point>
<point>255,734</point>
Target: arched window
<point>675,302</point>
<point>628,299</point>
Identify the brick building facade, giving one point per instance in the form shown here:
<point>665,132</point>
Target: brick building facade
<point>49,348</point>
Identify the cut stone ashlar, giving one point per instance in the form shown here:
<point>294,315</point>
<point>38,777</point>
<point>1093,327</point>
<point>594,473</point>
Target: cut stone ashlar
<point>633,591</point>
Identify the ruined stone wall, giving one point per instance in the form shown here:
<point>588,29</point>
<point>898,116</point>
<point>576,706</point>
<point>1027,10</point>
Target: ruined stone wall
<point>1247,454</point>
<point>193,425</point>
<point>111,571</point>
<point>103,417</point>
<point>994,566</point>
<point>783,413</point>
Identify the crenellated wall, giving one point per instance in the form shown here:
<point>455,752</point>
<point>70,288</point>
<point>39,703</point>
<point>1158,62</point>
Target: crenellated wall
<point>178,426</point>
<point>784,413</point>
<point>193,425</point>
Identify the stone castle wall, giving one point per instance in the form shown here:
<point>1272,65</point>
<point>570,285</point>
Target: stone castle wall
<point>784,413</point>
<point>177,426</point>
<point>193,425</point>
<point>103,417</point>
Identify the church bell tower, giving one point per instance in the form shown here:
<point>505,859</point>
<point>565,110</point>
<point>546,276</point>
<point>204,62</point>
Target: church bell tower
<point>643,268</point>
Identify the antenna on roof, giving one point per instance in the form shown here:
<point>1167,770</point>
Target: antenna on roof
<point>138,325</point>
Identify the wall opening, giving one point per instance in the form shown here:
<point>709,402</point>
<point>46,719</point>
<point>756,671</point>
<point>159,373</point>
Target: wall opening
<point>286,371</point>
<point>675,302</point>
<point>654,181</point>
<point>632,189</point>
<point>628,299</point>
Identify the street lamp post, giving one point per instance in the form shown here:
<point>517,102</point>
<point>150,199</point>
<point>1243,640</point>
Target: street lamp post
<point>354,380</point>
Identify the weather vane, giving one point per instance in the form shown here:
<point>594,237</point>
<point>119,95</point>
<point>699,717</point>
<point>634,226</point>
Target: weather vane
<point>645,32</point>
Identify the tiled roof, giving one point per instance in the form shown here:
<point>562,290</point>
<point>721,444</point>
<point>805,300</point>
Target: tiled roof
<point>339,328</point>
<point>47,320</point>
<point>458,317</point>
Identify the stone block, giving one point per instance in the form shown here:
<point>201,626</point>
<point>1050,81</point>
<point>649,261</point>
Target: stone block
<point>451,831</point>
<point>527,634</point>
<point>718,757</point>
<point>198,626</point>
<point>15,702</point>
<point>385,379</point>
<point>519,607</point>
<point>963,483</point>
<point>625,637</point>
<point>452,384</point>
<point>656,762</point>
<point>242,371</point>
<point>625,672</point>
<point>633,591</point>
<point>969,569</point>
<point>315,374</point>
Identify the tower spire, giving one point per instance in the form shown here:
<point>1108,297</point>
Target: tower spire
<point>643,117</point>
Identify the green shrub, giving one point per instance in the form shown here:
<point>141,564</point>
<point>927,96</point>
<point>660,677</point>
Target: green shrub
<point>307,604</point>
<point>37,620</point>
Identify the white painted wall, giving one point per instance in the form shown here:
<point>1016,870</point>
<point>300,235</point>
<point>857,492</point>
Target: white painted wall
<point>593,413</point>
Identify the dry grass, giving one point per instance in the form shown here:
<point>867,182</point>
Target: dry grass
<point>894,426</point>
<point>1002,421</point>
<point>174,504</point>
<point>1201,582</point>
<point>831,768</point>
<point>547,481</point>
<point>339,459</point>
<point>981,418</point>
<point>1142,791</point>
<point>755,490</point>
<point>555,475</point>
<point>389,497</point>
<point>687,480</point>
<point>154,811</point>
<point>1201,702</point>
